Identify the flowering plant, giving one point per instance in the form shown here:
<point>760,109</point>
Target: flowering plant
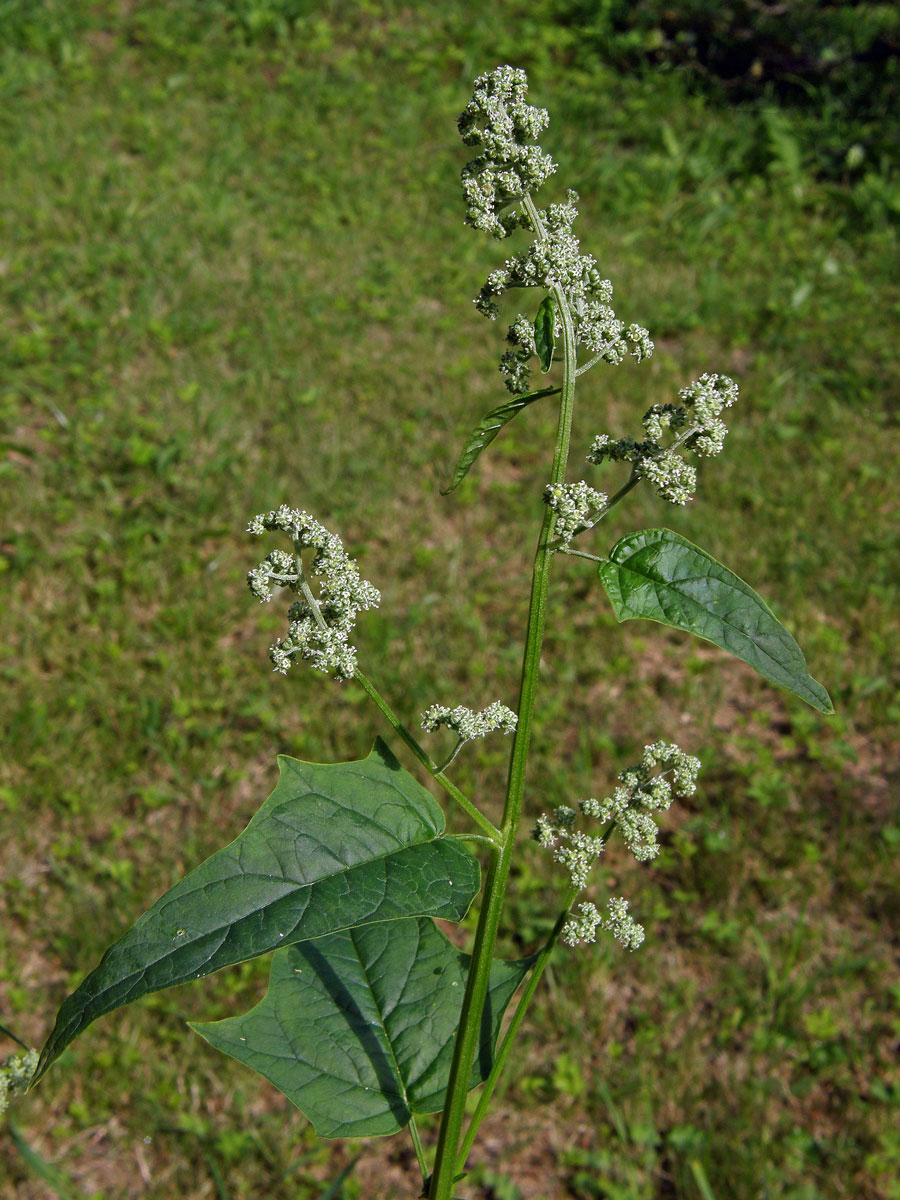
<point>372,1015</point>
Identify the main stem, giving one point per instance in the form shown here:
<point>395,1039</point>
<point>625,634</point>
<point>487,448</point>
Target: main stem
<point>498,873</point>
<point>487,1091</point>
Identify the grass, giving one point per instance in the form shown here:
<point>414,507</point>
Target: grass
<point>234,272</point>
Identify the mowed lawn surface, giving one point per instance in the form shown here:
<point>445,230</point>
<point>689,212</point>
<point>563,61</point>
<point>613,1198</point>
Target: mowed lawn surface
<point>234,272</point>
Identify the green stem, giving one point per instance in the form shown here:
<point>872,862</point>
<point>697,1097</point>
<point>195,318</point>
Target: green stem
<point>447,761</point>
<point>509,1037</point>
<point>484,1100</point>
<point>491,830</point>
<point>498,873</point>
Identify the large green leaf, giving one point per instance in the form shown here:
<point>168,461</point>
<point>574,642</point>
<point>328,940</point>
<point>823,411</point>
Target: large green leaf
<point>488,428</point>
<point>357,1028</point>
<point>334,846</point>
<point>661,576</point>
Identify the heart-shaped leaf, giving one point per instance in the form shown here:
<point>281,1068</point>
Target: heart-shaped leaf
<point>488,428</point>
<point>334,846</point>
<point>357,1029</point>
<point>661,576</point>
<point>544,329</point>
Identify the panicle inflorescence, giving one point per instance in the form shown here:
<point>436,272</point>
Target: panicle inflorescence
<point>575,505</point>
<point>510,167</point>
<point>510,164</point>
<point>643,790</point>
<point>319,627</point>
<point>695,424</point>
<point>15,1076</point>
<point>583,928</point>
<point>556,262</point>
<point>468,724</point>
<point>573,850</point>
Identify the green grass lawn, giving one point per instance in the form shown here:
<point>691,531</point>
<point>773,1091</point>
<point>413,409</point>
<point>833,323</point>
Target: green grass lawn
<point>234,272</point>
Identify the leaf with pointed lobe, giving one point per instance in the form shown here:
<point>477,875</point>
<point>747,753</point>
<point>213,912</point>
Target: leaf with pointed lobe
<point>357,1029</point>
<point>334,846</point>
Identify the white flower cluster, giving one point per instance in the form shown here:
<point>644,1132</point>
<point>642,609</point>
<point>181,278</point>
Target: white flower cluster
<point>319,628</point>
<point>557,262</point>
<point>510,166</point>
<point>573,503</point>
<point>616,921</point>
<point>701,428</point>
<point>575,851</point>
<point>514,363</point>
<point>15,1076</point>
<point>468,724</point>
<point>643,790</point>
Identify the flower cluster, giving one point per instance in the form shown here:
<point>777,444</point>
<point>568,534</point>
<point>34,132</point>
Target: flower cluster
<point>319,627</point>
<point>515,362</point>
<point>555,261</point>
<point>510,165</point>
<point>575,851</point>
<point>616,921</point>
<point>574,505</point>
<point>15,1076</point>
<point>643,790</point>
<point>697,426</point>
<point>466,723</point>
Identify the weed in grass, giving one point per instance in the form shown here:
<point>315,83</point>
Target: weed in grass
<point>225,132</point>
<point>346,960</point>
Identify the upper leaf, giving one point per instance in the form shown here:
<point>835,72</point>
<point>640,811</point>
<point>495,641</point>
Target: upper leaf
<point>335,845</point>
<point>661,576</point>
<point>487,429</point>
<point>544,325</point>
<point>357,1029</point>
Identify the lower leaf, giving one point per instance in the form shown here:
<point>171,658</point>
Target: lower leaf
<point>335,845</point>
<point>357,1028</point>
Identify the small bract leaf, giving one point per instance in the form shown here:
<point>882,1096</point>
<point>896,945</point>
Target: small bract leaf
<point>334,846</point>
<point>661,576</point>
<point>357,1029</point>
<point>488,428</point>
<point>544,326</point>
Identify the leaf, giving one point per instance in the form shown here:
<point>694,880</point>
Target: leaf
<point>658,575</point>
<point>544,329</point>
<point>334,845</point>
<point>488,428</point>
<point>357,1029</point>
